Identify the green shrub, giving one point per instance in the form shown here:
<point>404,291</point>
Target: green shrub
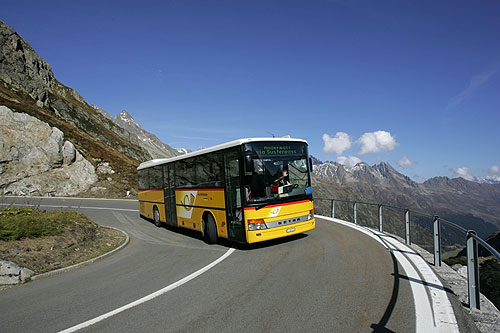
<point>456,260</point>
<point>19,223</point>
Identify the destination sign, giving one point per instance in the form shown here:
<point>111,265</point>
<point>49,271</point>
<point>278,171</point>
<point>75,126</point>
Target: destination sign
<point>279,149</point>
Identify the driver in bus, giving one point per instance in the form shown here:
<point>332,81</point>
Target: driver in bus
<point>283,179</point>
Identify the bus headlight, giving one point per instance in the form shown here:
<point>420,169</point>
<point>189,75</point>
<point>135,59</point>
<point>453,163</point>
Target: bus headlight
<point>258,224</point>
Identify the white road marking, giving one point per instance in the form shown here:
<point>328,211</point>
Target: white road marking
<point>432,315</point>
<point>443,315</point>
<point>65,198</point>
<point>143,299</point>
<point>150,296</point>
<point>63,206</point>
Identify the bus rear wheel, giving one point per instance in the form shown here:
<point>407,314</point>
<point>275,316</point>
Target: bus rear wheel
<point>156,217</point>
<point>210,230</point>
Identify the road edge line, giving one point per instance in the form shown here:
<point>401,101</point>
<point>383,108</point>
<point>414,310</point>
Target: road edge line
<point>71,198</point>
<point>409,267</point>
<point>151,296</point>
<point>86,262</point>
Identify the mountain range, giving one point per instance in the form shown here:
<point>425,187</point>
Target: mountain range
<point>114,147</point>
<point>139,136</point>
<point>381,183</point>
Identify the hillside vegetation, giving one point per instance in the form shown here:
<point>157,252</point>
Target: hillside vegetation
<point>43,241</point>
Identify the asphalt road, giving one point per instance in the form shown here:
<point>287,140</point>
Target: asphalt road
<point>332,279</point>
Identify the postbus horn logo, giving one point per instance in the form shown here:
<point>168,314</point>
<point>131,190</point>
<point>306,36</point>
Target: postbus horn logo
<point>188,201</point>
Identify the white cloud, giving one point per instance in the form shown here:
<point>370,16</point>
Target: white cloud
<point>404,162</point>
<point>494,173</point>
<point>376,142</point>
<point>338,144</point>
<point>464,173</point>
<point>349,161</point>
<point>494,170</point>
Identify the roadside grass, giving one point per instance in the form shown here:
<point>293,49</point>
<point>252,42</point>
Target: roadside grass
<point>46,240</point>
<point>19,223</point>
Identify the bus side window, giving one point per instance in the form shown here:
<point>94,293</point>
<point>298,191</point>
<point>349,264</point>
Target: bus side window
<point>215,162</point>
<point>202,171</point>
<point>143,179</point>
<point>190,171</point>
<point>156,177</point>
<point>165,176</point>
<point>171,176</point>
<point>180,180</point>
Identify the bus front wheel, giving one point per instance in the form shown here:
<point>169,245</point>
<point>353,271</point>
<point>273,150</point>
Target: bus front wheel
<point>210,230</point>
<point>156,217</point>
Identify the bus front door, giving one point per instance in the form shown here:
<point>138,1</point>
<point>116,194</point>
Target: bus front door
<point>170,206</point>
<point>234,208</point>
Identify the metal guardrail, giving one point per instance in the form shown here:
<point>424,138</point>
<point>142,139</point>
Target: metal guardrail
<point>471,238</point>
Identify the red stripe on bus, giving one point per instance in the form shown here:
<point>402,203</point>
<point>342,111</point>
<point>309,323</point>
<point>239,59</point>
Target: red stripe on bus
<point>149,190</point>
<point>199,189</point>
<point>283,204</point>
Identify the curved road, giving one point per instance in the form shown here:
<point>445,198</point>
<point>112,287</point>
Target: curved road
<point>334,278</point>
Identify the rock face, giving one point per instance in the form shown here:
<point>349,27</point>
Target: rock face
<point>36,160</point>
<point>34,75</point>
<point>23,70</point>
<point>10,273</point>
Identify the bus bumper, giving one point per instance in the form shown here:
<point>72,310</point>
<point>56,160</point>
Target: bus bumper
<point>267,234</point>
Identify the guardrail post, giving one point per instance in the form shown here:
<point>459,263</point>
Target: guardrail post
<point>333,208</point>
<point>407,224</point>
<point>355,208</point>
<point>472,271</point>
<point>380,219</point>
<point>437,241</point>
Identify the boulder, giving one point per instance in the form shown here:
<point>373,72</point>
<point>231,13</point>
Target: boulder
<point>10,273</point>
<point>69,153</point>
<point>36,160</point>
<point>25,274</point>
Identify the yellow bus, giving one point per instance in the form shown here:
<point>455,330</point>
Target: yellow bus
<point>246,191</point>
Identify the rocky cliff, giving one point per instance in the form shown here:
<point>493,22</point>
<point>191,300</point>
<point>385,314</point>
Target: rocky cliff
<point>27,78</point>
<point>28,85</point>
<point>35,159</point>
<point>22,68</point>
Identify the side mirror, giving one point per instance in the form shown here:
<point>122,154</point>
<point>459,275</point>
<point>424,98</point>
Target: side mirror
<point>310,164</point>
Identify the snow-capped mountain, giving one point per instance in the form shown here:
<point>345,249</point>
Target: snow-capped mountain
<point>382,183</point>
<point>183,151</point>
<point>382,174</point>
<point>143,138</point>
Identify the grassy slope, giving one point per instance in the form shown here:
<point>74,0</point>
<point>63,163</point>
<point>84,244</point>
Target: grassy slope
<point>93,149</point>
<point>43,241</point>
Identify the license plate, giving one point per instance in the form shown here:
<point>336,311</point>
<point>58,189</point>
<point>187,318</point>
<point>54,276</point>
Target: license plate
<point>290,230</point>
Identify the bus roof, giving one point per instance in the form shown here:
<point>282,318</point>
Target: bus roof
<point>159,161</point>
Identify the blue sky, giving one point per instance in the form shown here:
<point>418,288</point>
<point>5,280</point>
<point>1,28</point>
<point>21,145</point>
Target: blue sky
<point>359,80</point>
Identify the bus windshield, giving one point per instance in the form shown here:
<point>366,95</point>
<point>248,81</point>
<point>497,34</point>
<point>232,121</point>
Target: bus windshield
<point>276,172</point>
